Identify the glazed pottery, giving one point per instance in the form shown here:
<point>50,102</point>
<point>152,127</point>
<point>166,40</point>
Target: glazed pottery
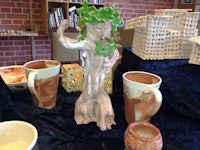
<point>94,104</point>
<point>43,78</point>
<point>142,97</point>
<point>142,136</point>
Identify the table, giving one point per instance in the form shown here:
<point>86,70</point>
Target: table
<point>178,119</point>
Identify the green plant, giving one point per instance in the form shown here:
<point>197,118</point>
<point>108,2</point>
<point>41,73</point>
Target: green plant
<point>92,15</point>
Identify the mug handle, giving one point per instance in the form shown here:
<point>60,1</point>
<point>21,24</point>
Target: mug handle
<point>31,84</point>
<point>154,104</point>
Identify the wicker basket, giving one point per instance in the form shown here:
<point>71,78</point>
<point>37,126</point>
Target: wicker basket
<point>172,45</point>
<point>195,54</point>
<point>139,22</point>
<point>164,35</point>
<point>188,28</point>
<point>108,82</point>
<point>175,13</point>
<point>150,37</point>
<point>72,77</point>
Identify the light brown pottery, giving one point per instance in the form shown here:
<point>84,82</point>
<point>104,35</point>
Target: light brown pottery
<point>94,104</point>
<point>142,136</point>
<point>43,78</point>
<point>142,98</point>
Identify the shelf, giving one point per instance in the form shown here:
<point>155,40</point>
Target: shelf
<point>48,5</point>
<point>26,33</point>
<point>79,3</point>
<point>33,32</point>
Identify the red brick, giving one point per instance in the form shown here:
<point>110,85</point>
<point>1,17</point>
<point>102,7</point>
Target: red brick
<point>1,53</point>
<point>23,5</point>
<point>6,21</point>
<point>4,59</point>
<point>5,10</point>
<point>20,53</point>
<point>6,48</point>
<point>28,42</point>
<point>39,42</point>
<point>7,4</point>
<point>21,19</point>
<point>10,63</point>
<point>8,43</point>
<point>26,11</point>
<point>3,38</point>
<point>2,15</point>
<point>19,42</point>
<point>25,47</point>
<point>28,53</point>
<point>17,21</point>
<point>21,16</point>
<point>38,11</point>
<point>19,38</point>
<point>19,58</point>
<point>2,64</point>
<point>9,53</point>
<point>16,10</point>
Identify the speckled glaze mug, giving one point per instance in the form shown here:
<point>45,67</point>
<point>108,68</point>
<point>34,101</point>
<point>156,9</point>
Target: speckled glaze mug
<point>142,97</point>
<point>43,79</point>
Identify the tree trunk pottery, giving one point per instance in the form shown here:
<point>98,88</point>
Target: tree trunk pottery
<point>94,104</point>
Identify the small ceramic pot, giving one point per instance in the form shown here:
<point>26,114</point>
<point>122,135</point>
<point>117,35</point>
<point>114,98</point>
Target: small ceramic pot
<point>142,136</point>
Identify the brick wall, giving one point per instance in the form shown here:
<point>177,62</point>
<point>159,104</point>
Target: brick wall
<point>15,14</point>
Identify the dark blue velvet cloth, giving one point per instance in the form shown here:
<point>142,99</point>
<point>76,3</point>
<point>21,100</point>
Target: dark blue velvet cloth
<point>57,128</point>
<point>178,119</point>
<point>179,116</point>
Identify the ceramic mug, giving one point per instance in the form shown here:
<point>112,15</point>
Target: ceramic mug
<point>43,79</point>
<point>142,98</point>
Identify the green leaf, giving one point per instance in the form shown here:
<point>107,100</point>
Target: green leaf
<point>92,15</point>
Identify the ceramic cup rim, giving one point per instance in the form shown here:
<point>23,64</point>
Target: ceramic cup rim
<point>24,123</point>
<point>39,60</point>
<point>14,66</point>
<point>147,125</point>
<point>142,72</point>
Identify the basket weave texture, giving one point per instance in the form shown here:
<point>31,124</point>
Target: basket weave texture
<point>72,78</point>
<point>195,55</point>
<point>164,35</point>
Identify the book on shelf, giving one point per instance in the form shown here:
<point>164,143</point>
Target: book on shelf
<point>73,8</point>
<point>55,16</point>
<point>52,20</point>
<point>75,0</point>
<point>101,1</point>
<point>90,1</point>
<point>73,16</point>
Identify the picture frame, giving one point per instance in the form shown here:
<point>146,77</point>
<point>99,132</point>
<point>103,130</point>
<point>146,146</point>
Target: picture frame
<point>197,8</point>
<point>197,2</point>
<point>186,2</point>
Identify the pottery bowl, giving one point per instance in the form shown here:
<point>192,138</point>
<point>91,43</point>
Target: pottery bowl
<point>17,135</point>
<point>14,77</point>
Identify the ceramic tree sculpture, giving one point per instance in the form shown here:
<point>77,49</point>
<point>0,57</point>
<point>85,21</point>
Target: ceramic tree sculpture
<point>98,29</point>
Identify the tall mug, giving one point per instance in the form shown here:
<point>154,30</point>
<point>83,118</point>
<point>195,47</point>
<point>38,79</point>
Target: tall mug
<point>43,79</point>
<point>142,98</point>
